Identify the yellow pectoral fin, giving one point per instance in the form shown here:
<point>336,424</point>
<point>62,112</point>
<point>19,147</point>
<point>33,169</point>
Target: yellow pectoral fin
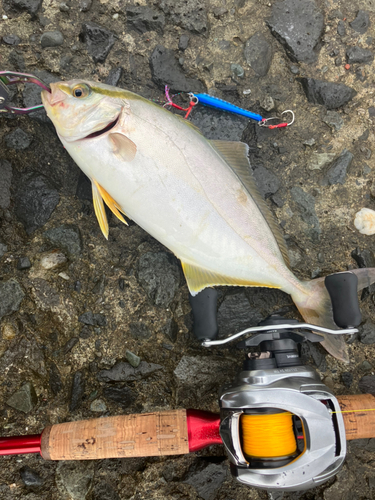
<point>111,203</point>
<point>198,279</point>
<point>99,209</point>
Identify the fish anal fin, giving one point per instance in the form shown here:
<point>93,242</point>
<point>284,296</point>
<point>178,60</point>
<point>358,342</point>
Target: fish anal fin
<point>100,210</point>
<point>123,147</point>
<point>235,154</point>
<point>198,278</point>
<point>111,203</point>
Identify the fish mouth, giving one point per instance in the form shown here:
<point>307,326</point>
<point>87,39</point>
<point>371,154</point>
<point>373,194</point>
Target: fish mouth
<point>107,128</point>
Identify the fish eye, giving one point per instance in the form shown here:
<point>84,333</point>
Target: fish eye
<point>81,90</point>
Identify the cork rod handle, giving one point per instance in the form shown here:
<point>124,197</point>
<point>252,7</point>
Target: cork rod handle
<point>142,435</point>
<point>358,424</point>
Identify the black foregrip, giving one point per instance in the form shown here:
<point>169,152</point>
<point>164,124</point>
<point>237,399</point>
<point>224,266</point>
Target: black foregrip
<point>204,306</point>
<point>342,288</point>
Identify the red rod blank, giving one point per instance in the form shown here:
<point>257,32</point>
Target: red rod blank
<point>16,445</point>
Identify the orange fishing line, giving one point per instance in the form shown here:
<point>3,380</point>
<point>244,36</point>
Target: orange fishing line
<point>268,436</point>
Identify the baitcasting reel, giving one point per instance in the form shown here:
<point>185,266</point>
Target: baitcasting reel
<point>281,426</point>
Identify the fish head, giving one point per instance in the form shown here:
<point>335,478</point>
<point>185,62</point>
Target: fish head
<point>80,109</point>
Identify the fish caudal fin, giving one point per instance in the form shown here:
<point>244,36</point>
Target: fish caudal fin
<point>315,307</point>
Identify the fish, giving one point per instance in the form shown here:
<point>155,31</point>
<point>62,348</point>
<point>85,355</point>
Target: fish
<point>195,196</point>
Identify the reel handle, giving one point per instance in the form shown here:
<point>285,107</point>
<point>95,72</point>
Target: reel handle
<point>342,288</point>
<point>204,306</point>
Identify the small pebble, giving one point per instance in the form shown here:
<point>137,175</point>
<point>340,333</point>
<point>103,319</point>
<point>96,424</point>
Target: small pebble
<point>365,221</point>
<point>246,92</point>
<point>309,142</point>
<point>133,359</point>
<point>237,70</point>
<point>64,276</point>
<point>23,263</point>
<point>52,260</point>
<point>347,66</point>
<point>115,16</point>
<point>63,7</point>
<point>98,405</point>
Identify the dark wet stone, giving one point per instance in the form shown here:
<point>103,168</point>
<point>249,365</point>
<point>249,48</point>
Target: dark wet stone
<point>170,329</point>
<point>333,120</point>
<point>18,140</point>
<point>55,379</point>
<point>67,237</point>
<point>235,314</point>
<point>114,76</point>
<point>85,333</point>
<point>266,181</point>
<point>35,200</point>
<point>159,275</point>
<point>99,41</point>
<point>306,207</point>
<point>189,14</point>
<point>166,70</point>
<point>365,135</point>
<point>371,111</point>
<point>361,22</point>
<point>89,318</point>
<point>84,189</point>
<point>142,19</point>
<point>298,25</point>
<point>17,61</point>
<point>23,263</point>
<point>77,391</point>
<point>139,331</point>
<point>338,61</point>
<point>11,39</point>
<point>258,54</point>
<point>207,479</point>
<point>329,94</point>
<point>183,42</point>
<point>216,125</point>
<point>341,28</point>
<point>105,491</point>
<point>124,372</point>
<point>85,5</point>
<point>364,258</point>
<point>70,344</point>
<point>6,180</point>
<point>51,39</point>
<point>198,376</point>
<point>359,55</point>
<point>11,296</point>
<point>123,396</point>
<point>318,355</point>
<point>367,333</point>
<point>74,479</point>
<point>24,399</point>
<point>30,6</point>
<point>337,171</point>
<point>30,477</point>
<point>367,384</point>
<point>347,379</point>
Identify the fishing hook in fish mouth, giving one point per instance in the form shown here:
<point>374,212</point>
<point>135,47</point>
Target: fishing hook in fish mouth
<point>107,128</point>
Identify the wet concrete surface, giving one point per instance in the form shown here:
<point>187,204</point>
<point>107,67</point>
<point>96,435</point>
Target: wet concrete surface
<point>73,305</point>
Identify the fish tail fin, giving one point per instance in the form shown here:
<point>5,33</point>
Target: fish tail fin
<point>314,304</point>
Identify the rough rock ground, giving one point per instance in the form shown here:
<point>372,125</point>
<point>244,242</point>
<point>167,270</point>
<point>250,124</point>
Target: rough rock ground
<point>64,324</point>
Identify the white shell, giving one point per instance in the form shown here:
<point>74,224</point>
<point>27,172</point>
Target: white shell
<point>365,221</point>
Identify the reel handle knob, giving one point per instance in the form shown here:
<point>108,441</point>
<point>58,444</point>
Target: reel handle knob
<point>204,306</point>
<point>342,288</point>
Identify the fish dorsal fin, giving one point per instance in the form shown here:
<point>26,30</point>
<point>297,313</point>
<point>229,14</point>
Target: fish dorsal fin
<point>123,147</point>
<point>198,278</point>
<point>111,203</point>
<point>235,154</point>
<point>99,209</point>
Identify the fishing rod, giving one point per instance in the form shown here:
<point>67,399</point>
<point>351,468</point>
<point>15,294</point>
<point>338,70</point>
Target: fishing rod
<point>281,427</point>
